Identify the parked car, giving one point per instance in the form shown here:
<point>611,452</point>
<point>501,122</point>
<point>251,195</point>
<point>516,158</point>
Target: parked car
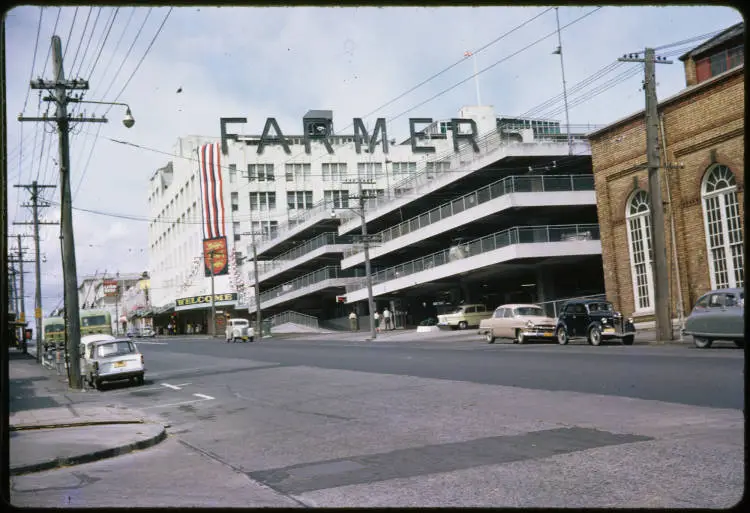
<point>718,315</point>
<point>105,358</point>
<point>146,333</point>
<point>464,316</point>
<point>595,320</point>
<point>519,322</point>
<point>239,330</point>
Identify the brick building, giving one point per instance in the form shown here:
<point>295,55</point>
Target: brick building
<point>702,139</point>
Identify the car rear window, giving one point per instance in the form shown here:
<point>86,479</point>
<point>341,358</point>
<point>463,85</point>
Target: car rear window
<point>115,348</point>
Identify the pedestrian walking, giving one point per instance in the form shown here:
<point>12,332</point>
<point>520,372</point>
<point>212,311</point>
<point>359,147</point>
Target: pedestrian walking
<point>353,324</point>
<point>387,319</point>
<point>377,321</point>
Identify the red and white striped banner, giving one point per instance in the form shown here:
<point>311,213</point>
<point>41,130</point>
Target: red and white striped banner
<point>212,192</point>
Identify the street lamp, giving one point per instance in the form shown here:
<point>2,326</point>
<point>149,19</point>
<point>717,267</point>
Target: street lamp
<point>368,271</point>
<point>128,120</point>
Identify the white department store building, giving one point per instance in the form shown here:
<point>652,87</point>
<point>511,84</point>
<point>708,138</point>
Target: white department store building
<point>509,215</point>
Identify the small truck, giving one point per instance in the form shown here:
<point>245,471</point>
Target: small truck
<point>239,330</point>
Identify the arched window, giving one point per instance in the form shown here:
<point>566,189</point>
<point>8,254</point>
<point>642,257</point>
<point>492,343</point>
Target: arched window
<point>637,215</point>
<point>721,215</point>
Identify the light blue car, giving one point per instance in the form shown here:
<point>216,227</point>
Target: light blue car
<point>718,315</point>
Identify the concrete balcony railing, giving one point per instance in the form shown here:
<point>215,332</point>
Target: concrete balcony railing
<point>504,238</point>
<point>508,185</point>
<point>309,283</point>
<point>298,254</point>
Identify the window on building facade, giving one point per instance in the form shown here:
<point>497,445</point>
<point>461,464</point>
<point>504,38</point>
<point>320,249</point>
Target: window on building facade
<point>232,173</point>
<point>719,63</point>
<point>403,169</point>
<point>260,172</point>
<point>297,172</point>
<point>371,193</point>
<point>638,218</point>
<point>299,199</point>
<point>721,216</point>
<point>336,199</point>
<point>262,201</point>
<point>235,202</point>
<point>334,171</point>
<point>236,231</point>
<point>434,168</point>
<point>265,228</point>
<point>369,170</point>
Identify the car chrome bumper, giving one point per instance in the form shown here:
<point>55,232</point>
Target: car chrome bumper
<point>538,333</point>
<point>115,376</point>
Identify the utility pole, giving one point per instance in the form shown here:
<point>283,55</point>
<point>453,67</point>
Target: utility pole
<point>368,268</point>
<point>664,329</point>
<point>34,189</point>
<point>256,285</point>
<point>20,294</point>
<point>60,86</point>
<point>213,295</point>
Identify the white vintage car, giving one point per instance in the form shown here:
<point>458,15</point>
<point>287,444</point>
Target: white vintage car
<point>239,330</point>
<point>106,358</point>
<point>518,322</point>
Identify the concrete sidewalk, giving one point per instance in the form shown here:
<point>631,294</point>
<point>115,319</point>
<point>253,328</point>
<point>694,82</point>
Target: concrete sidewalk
<point>52,426</point>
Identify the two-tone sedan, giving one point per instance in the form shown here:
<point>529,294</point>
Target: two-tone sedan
<point>518,322</point>
<point>718,315</point>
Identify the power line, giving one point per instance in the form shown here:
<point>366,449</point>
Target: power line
<point>83,35</point>
<point>70,33</point>
<point>33,60</point>
<point>88,43</point>
<point>117,46</point>
<point>104,42</point>
<point>492,65</point>
<point>49,49</point>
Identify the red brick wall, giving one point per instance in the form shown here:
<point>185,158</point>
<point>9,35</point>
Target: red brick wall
<point>703,127</point>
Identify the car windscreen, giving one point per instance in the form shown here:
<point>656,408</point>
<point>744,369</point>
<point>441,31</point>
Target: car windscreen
<point>530,311</point>
<point>54,328</point>
<point>117,348</point>
<point>600,307</point>
<point>95,320</point>
<point>458,310</point>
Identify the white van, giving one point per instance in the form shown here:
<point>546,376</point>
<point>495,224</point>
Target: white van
<point>107,358</point>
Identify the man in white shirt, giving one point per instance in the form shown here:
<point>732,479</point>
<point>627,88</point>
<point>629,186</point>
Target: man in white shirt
<point>387,319</point>
<point>353,321</point>
<point>376,316</point>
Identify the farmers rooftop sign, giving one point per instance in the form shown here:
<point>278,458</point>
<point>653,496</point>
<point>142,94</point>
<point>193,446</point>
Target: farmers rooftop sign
<point>361,135</point>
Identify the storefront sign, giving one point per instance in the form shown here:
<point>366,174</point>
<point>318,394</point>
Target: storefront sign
<point>190,303</point>
<point>110,288</point>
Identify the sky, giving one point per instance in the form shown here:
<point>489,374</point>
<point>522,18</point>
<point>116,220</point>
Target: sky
<point>260,62</point>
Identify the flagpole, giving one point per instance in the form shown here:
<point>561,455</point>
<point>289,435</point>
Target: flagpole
<point>476,75</point>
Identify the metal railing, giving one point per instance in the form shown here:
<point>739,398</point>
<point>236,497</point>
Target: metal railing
<point>507,185</point>
<point>323,274</point>
<point>295,318</point>
<point>501,239</point>
<point>557,304</point>
<point>324,239</point>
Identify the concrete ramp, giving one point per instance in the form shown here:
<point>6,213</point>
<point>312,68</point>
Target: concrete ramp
<point>290,327</point>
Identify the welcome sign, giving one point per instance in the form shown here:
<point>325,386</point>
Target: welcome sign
<point>194,302</point>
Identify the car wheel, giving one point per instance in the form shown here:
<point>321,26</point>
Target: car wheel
<point>628,341</point>
<point>98,384</point>
<point>463,325</point>
<point>251,339</point>
<point>562,336</point>
<point>739,343</point>
<point>520,339</point>
<point>489,337</point>
<point>702,343</point>
<point>595,336</point>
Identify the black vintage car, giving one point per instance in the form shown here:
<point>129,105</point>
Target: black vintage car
<point>595,320</point>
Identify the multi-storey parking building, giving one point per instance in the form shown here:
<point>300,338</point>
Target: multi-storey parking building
<point>478,208</point>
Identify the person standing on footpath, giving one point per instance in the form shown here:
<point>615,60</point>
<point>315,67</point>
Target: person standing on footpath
<point>376,316</point>
<point>353,321</point>
<point>387,319</point>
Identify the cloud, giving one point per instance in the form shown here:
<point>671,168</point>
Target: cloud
<point>281,62</point>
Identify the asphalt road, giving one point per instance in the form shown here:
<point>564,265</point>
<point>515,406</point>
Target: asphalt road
<point>423,423</point>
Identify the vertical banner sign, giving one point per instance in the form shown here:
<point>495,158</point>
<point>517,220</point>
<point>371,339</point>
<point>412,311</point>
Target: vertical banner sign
<point>212,209</point>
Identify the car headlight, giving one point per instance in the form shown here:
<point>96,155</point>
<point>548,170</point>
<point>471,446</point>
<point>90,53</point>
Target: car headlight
<point>604,320</point>
<point>630,320</point>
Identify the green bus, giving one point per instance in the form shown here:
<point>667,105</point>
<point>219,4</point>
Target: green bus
<point>95,321</point>
<point>54,331</point>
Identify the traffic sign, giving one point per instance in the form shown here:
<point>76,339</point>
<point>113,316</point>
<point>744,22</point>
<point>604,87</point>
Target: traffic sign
<point>38,313</point>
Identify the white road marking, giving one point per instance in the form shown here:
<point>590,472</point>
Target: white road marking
<point>183,384</point>
<point>173,387</point>
<point>174,404</point>
<point>153,343</point>
<point>206,397</point>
